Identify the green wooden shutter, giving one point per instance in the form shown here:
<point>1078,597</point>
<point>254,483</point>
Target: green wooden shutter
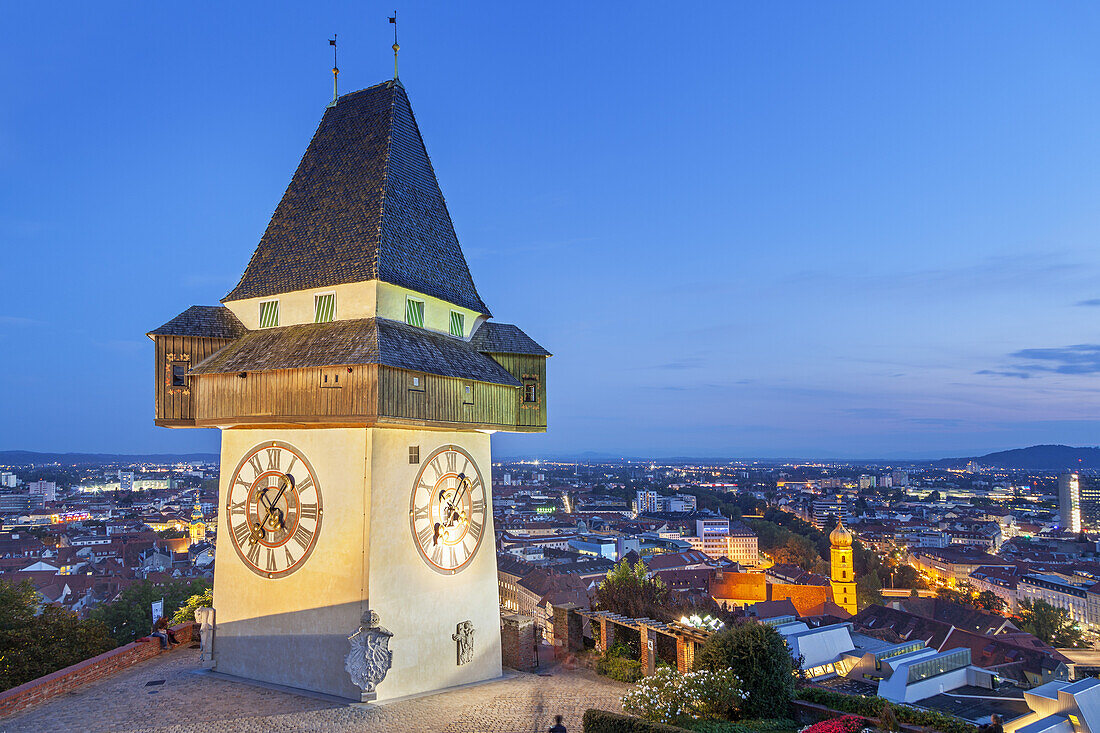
<point>325,307</point>
<point>269,314</point>
<point>458,327</point>
<point>414,313</point>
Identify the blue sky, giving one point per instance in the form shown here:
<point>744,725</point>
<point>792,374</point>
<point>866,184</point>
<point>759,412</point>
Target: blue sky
<point>770,229</point>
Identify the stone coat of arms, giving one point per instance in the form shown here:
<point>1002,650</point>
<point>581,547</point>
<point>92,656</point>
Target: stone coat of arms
<point>370,657</point>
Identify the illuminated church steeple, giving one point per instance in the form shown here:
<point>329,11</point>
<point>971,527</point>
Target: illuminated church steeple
<point>842,570</point>
<point>198,524</point>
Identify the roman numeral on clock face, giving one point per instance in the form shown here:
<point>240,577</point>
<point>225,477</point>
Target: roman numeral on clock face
<point>241,533</point>
<point>274,458</point>
<point>302,537</point>
<point>426,536</point>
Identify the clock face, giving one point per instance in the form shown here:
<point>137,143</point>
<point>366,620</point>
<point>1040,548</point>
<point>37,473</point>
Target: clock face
<point>447,510</point>
<point>274,509</point>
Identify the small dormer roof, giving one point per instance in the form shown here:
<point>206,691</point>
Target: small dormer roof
<point>205,321</point>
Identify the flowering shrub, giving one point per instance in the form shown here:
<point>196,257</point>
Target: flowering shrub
<point>668,696</point>
<point>847,724</point>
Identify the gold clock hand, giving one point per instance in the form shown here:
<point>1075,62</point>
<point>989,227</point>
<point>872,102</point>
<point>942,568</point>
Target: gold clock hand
<point>275,501</point>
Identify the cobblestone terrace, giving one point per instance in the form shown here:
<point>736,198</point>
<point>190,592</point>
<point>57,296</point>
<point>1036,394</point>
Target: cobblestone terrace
<point>181,698</point>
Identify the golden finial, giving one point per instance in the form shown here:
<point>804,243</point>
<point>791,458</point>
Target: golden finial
<point>396,47</point>
<point>335,70</point>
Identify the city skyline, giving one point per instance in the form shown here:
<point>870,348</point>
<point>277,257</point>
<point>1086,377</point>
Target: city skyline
<point>753,232</point>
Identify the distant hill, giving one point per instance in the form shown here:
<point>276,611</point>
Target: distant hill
<point>1037,457</point>
<point>26,457</point>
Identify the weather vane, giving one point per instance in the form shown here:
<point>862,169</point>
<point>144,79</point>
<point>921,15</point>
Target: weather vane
<point>335,69</point>
<point>396,47</point>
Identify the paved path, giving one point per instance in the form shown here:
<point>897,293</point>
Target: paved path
<point>191,701</point>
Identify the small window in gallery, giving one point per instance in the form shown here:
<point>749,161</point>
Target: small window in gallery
<point>269,313</point>
<point>414,312</point>
<point>416,382</point>
<point>468,393</point>
<point>458,324</point>
<point>179,373</point>
<point>530,391</point>
<point>324,306</point>
<point>414,454</point>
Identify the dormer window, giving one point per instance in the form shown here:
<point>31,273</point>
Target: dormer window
<point>269,313</point>
<point>414,312</point>
<point>458,324</point>
<point>324,307</point>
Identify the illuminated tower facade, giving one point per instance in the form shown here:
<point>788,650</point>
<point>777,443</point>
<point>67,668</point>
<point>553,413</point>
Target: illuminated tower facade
<point>842,569</point>
<point>198,524</point>
<point>1069,501</point>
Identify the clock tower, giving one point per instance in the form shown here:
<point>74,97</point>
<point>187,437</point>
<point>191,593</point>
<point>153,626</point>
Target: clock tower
<point>356,377</point>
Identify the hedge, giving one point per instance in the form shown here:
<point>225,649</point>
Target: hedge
<point>771,725</point>
<point>877,707</point>
<point>601,721</point>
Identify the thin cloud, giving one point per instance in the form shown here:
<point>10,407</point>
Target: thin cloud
<point>874,413</point>
<point>19,321</point>
<point>1075,359</point>
<point>1089,302</point>
<point>1004,373</point>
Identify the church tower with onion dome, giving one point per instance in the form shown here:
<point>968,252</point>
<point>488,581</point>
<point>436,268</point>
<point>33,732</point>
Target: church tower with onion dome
<point>842,569</point>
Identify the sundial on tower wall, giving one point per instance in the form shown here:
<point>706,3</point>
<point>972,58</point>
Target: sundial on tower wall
<point>356,377</point>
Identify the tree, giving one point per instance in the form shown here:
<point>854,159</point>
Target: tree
<point>990,601</point>
<point>760,658</point>
<point>186,612</point>
<point>967,596</point>
<point>33,644</point>
<point>907,576</point>
<point>128,618</point>
<point>627,591</point>
<point>1051,624</point>
<point>868,591</point>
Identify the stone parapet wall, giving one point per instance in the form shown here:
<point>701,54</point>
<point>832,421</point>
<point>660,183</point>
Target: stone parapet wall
<point>517,642</point>
<point>81,673</point>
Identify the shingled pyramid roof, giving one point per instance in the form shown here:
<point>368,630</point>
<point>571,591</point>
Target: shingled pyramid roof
<point>363,205</point>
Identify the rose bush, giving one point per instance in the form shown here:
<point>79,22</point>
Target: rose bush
<point>846,724</point>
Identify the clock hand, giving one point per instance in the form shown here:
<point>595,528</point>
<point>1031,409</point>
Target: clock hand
<point>271,507</point>
<point>463,484</point>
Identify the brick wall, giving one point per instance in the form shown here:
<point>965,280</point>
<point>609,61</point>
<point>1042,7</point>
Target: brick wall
<point>517,642</point>
<point>90,670</point>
